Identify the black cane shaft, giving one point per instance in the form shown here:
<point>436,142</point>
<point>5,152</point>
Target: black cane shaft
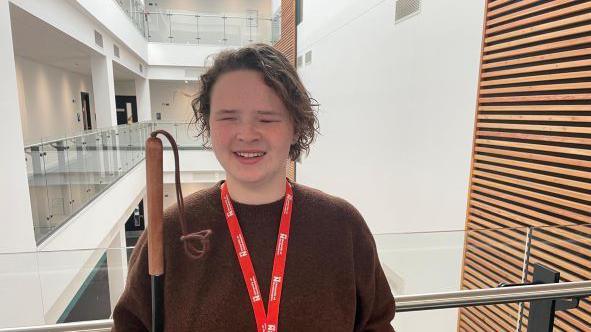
<point>157,303</point>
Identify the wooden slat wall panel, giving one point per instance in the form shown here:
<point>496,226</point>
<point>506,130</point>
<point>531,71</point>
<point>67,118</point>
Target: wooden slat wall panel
<point>287,45</point>
<point>531,162</point>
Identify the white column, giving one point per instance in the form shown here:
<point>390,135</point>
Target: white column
<point>103,88</point>
<point>117,265</point>
<point>142,95</point>
<point>17,222</point>
<point>20,293</point>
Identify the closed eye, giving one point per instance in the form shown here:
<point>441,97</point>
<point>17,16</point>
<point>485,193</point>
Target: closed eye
<point>269,120</point>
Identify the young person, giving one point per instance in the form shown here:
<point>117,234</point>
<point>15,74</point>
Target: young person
<point>282,256</point>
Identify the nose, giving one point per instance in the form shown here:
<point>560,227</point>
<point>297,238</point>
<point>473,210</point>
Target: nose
<point>248,133</point>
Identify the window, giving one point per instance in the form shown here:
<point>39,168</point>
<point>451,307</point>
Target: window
<point>276,26</point>
<point>299,11</point>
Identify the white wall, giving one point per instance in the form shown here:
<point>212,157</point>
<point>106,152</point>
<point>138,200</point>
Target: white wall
<point>125,88</point>
<point>397,108</point>
<point>49,99</point>
<point>103,83</point>
<point>184,55</point>
<point>397,119</point>
<point>116,21</point>
<point>142,93</point>
<point>172,99</point>
<point>275,4</point>
<point>175,73</point>
<point>322,17</point>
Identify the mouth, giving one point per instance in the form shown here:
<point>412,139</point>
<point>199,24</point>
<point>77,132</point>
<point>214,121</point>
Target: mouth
<point>249,157</point>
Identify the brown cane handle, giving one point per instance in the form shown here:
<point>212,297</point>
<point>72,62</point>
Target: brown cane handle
<point>155,189</point>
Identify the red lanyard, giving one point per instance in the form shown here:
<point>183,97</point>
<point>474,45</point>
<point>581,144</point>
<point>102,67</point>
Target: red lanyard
<point>265,323</point>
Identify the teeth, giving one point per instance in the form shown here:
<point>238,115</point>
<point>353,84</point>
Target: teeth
<point>250,154</point>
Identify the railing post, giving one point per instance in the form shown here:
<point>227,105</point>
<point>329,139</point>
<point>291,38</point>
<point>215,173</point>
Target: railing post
<point>250,29</point>
<point>198,38</point>
<point>36,159</point>
<point>61,155</point>
<point>170,37</point>
<point>224,39</point>
<point>524,272</point>
<point>542,312</point>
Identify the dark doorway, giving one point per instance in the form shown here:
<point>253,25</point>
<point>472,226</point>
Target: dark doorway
<point>123,104</point>
<point>134,227</point>
<point>135,222</point>
<point>86,116</point>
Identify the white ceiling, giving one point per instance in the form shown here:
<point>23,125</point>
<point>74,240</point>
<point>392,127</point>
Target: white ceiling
<point>34,39</point>
<point>121,72</point>
<point>39,41</point>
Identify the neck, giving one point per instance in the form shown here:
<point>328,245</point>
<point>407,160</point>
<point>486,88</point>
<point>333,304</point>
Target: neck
<point>256,193</point>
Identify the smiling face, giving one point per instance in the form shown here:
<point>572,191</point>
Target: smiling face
<point>250,128</point>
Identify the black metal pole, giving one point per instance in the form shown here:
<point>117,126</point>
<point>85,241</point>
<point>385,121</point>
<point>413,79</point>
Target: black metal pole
<point>157,303</point>
<point>541,313</point>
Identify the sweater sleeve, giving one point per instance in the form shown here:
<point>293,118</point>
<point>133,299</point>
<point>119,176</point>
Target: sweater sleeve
<point>380,311</point>
<point>133,311</point>
<point>375,302</point>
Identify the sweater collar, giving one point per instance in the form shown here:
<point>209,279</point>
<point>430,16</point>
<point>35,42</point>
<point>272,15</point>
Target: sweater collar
<point>245,210</point>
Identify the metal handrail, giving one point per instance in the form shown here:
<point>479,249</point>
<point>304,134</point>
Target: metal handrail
<point>474,297</point>
<point>195,14</point>
<point>90,132</point>
<point>94,325</point>
<point>102,130</point>
<point>404,303</point>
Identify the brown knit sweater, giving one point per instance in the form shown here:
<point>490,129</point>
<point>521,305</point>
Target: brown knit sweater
<point>333,279</point>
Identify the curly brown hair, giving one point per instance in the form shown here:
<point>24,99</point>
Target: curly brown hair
<point>279,74</point>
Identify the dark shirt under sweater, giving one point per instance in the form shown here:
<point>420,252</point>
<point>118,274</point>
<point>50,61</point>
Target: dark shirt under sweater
<point>333,279</point>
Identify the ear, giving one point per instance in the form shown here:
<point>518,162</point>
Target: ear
<point>295,139</point>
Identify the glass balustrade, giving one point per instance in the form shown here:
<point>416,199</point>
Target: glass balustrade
<point>66,174</point>
<point>185,27</point>
<point>185,134</point>
<point>190,27</point>
<point>59,281</point>
<point>134,9</point>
